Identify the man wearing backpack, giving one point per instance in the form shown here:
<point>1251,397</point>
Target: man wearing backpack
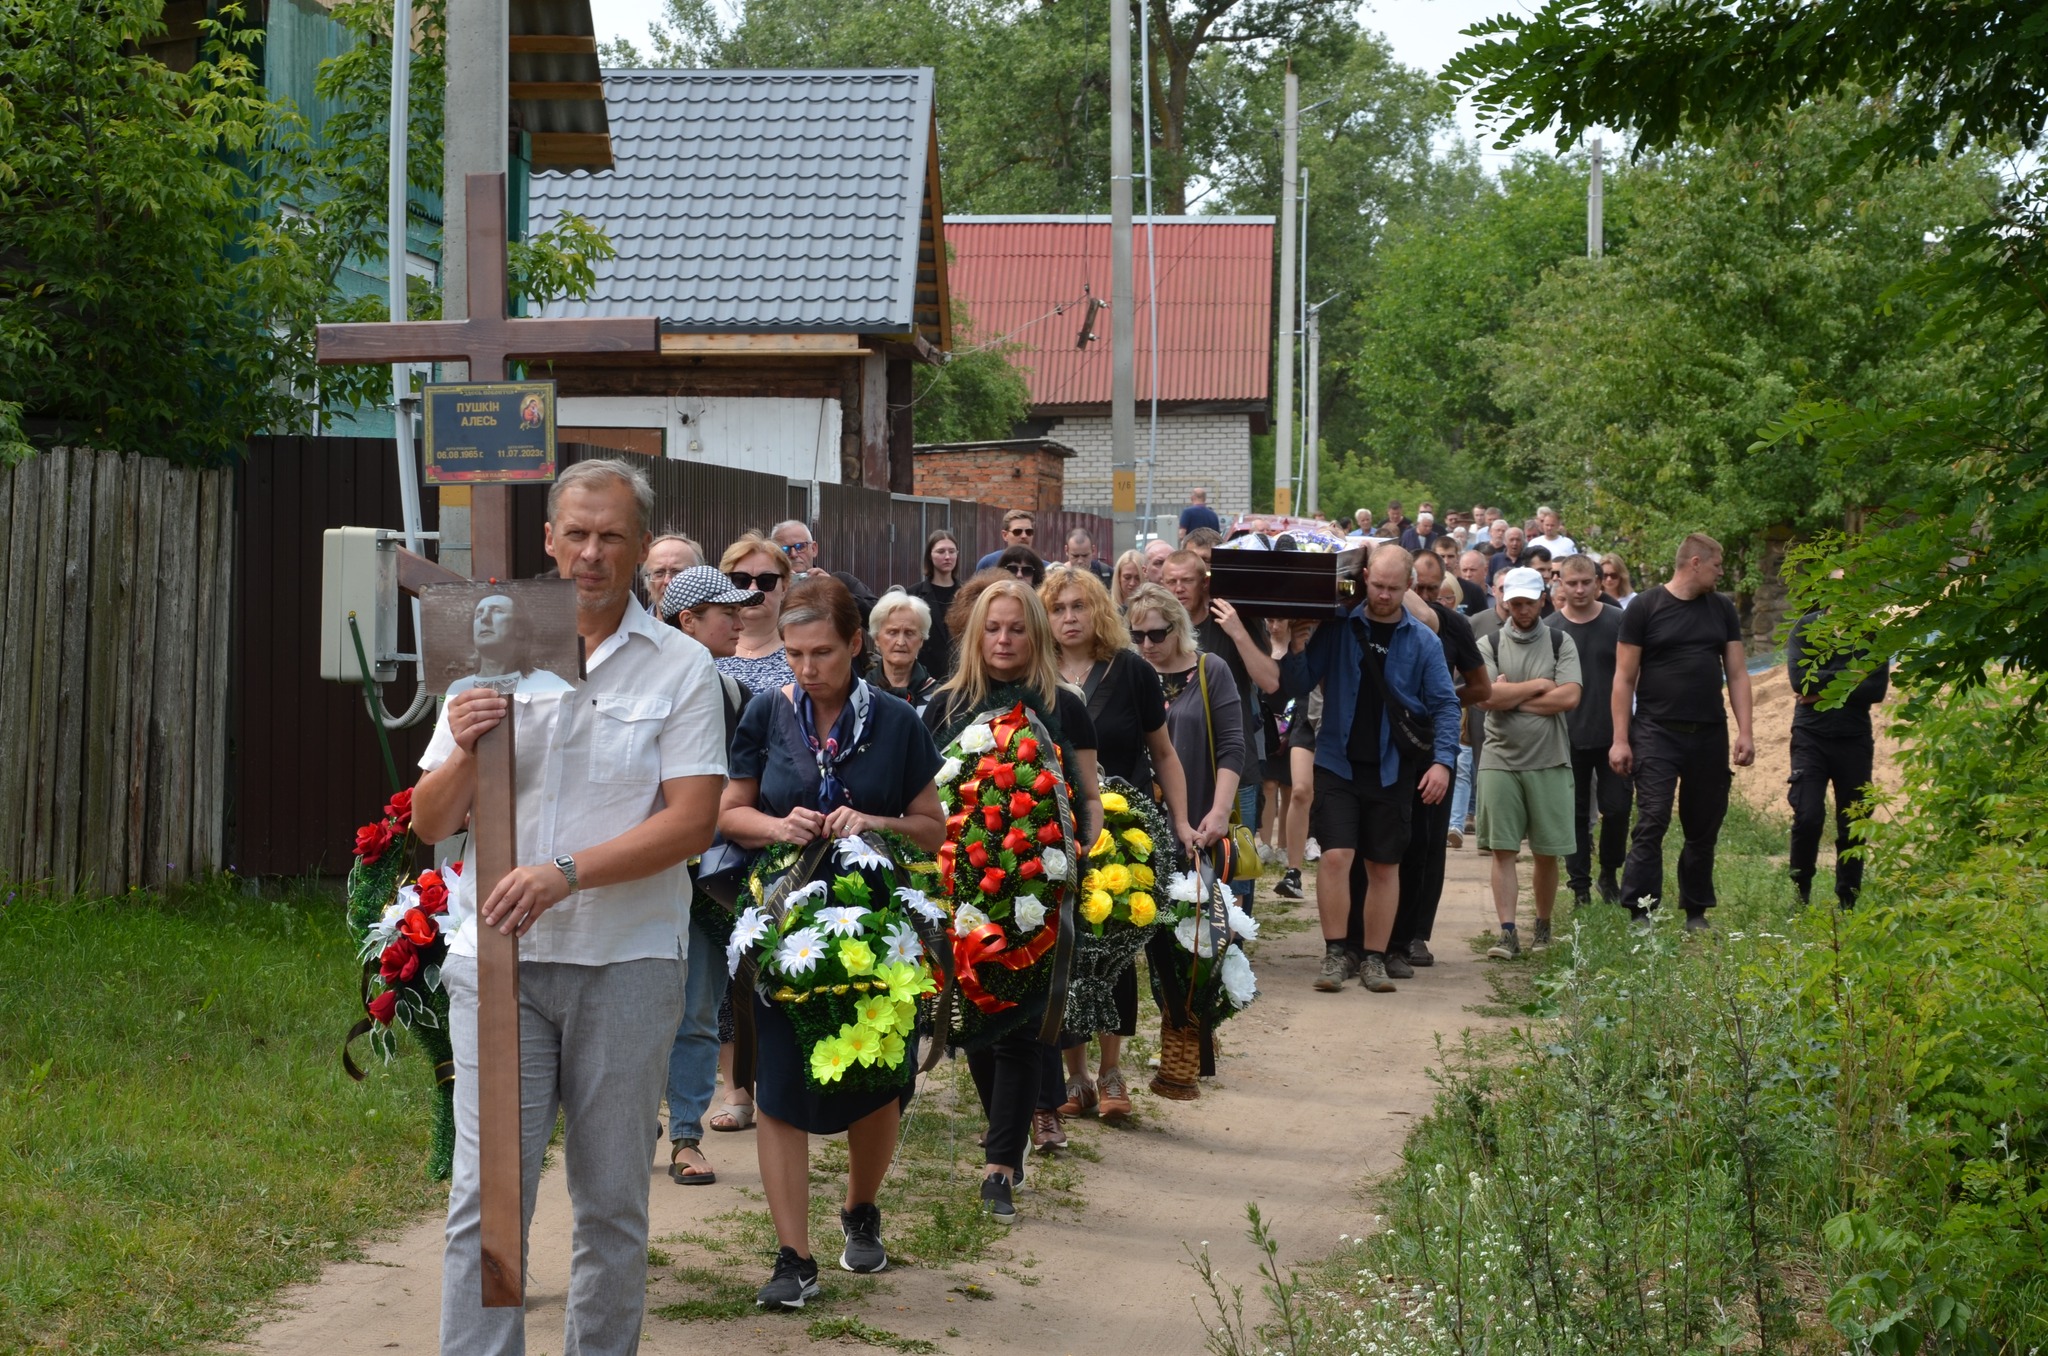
<point>1525,765</point>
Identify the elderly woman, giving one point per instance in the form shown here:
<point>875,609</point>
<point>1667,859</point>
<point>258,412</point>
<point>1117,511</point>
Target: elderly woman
<point>1008,655</point>
<point>1128,574</point>
<point>1021,562</point>
<point>900,623</point>
<point>824,754</point>
<point>1204,718</point>
<point>757,565</point>
<point>1128,710</point>
<point>941,582</point>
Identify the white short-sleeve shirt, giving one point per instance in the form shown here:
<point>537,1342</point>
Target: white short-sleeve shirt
<point>590,764</point>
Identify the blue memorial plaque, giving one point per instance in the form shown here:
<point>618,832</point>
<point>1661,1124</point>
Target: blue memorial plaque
<point>485,433</point>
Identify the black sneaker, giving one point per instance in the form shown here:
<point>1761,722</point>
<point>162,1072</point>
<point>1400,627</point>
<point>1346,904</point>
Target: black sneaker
<point>1610,889</point>
<point>1419,954</point>
<point>1398,966</point>
<point>995,1199</point>
<point>1290,884</point>
<point>1582,899</point>
<point>862,1226</point>
<point>795,1280</point>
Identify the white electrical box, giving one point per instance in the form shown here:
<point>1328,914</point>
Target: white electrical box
<point>359,574</point>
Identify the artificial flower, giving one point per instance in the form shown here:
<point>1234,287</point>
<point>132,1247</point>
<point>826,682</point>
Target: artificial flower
<point>863,1043</point>
<point>1022,804</point>
<point>1114,804</point>
<point>750,927</point>
<point>1049,832</point>
<point>373,841</point>
<point>400,962</point>
<point>1030,913</point>
<point>1116,878</point>
<point>977,738</point>
<point>1030,869</point>
<point>1104,845</point>
<point>905,982</point>
<point>1026,750</point>
<point>992,880</point>
<point>842,920</point>
<point>804,895</point>
<point>1056,862</point>
<point>901,939</point>
<point>395,912</point>
<point>892,1050</point>
<point>1140,841</point>
<point>855,854</point>
<point>856,957</point>
<point>1184,887</point>
<point>830,1059</point>
<point>1187,930</point>
<point>977,854</point>
<point>1016,840</point>
<point>948,770</point>
<point>1142,877</point>
<point>416,927</point>
<point>399,807</point>
<point>1144,910</point>
<point>800,951</point>
<point>1242,924</point>
<point>1238,981</point>
<point>433,892</point>
<point>1043,783</point>
<point>1005,777</point>
<point>992,818</point>
<point>1096,907</point>
<point>966,919</point>
<point>384,1006</point>
<point>920,904</point>
<point>876,1012</point>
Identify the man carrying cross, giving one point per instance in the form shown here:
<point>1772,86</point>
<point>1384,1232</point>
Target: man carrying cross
<point>616,784</point>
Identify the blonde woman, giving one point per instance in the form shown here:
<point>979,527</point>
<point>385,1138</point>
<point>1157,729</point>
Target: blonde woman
<point>1207,728</point>
<point>1128,574</point>
<point>1008,655</point>
<point>758,565</point>
<point>1128,709</point>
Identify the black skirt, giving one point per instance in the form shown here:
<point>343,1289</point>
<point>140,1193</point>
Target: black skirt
<point>782,1090</point>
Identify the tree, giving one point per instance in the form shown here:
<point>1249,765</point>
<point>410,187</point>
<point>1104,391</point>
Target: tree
<point>975,397</point>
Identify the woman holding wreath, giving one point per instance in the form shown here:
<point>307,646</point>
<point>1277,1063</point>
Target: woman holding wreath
<point>825,755</point>
<point>1008,655</point>
<point>1128,709</point>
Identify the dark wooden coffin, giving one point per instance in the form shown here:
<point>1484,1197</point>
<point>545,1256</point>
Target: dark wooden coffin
<point>1312,584</point>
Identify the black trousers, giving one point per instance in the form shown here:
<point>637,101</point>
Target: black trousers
<point>1596,785</point>
<point>1816,762</point>
<point>1422,874</point>
<point>1686,768</point>
<point>1007,1075</point>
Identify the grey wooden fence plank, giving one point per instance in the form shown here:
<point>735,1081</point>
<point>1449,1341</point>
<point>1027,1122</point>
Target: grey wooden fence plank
<point>205,678</point>
<point>79,550</point>
<point>142,637</point>
<point>45,674</point>
<point>98,840</point>
<point>17,610</point>
<point>170,832</point>
<point>216,748</point>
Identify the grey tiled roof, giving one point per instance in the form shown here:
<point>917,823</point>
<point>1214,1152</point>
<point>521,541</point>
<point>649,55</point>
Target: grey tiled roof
<point>756,201</point>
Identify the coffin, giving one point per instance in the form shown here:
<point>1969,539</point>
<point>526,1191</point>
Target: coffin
<point>1313,584</point>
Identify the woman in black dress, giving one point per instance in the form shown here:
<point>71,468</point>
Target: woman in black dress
<point>1008,655</point>
<point>941,581</point>
<point>830,755</point>
<point>1128,709</point>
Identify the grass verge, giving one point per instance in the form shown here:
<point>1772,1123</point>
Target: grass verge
<point>177,1138</point>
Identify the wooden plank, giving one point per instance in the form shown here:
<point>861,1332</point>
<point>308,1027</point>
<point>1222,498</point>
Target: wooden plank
<point>570,150</point>
<point>121,697</point>
<point>142,602</point>
<point>71,689</point>
<point>874,421</point>
<point>108,632</point>
<point>45,665</point>
<point>828,345</point>
<point>542,44</point>
<point>223,655</point>
<point>557,91</point>
<point>210,684</point>
<point>170,717</point>
<point>23,482</point>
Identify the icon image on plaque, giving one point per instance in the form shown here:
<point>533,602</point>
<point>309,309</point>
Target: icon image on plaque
<point>511,637</point>
<point>493,432</point>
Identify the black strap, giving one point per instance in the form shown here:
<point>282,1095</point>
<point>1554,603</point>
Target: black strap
<point>1091,686</point>
<point>1379,670</point>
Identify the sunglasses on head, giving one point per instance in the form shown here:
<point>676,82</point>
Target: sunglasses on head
<point>765,582</point>
<point>1155,636</point>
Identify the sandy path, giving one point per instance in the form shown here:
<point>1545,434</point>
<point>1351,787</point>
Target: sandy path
<point>1314,1098</point>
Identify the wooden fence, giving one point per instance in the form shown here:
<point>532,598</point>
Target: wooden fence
<point>115,586</point>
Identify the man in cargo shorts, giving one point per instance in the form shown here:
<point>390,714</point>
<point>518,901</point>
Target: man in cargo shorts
<point>1525,765</point>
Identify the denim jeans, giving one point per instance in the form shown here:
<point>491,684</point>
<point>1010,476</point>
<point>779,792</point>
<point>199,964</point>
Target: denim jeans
<point>1461,788</point>
<point>693,1059</point>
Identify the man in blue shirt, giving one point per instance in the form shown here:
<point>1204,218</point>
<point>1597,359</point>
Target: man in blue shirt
<point>1019,529</point>
<point>1366,784</point>
<point>1198,513</point>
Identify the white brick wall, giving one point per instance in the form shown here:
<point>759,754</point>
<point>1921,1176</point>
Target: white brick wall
<point>1212,450</point>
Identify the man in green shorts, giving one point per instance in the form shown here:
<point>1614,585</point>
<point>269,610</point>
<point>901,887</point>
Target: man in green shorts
<point>1525,764</point>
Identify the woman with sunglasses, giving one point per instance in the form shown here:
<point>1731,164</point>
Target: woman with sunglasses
<point>1614,580</point>
<point>1021,562</point>
<point>1128,710</point>
<point>758,565</point>
<point>1207,728</point>
<point>1008,655</point>
<point>936,590</point>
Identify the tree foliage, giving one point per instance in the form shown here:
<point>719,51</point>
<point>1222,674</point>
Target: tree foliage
<point>975,397</point>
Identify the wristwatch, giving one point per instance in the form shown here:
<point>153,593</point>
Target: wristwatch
<point>567,866</point>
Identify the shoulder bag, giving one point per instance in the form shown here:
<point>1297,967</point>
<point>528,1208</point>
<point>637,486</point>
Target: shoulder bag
<point>1244,845</point>
<point>1414,732</point>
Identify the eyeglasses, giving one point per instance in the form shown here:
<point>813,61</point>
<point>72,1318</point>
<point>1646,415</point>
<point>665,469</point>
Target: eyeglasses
<point>1023,531</point>
<point>1156,636</point>
<point>765,582</point>
<point>1609,574</point>
<point>663,574</point>
<point>791,548</point>
<point>1022,571</point>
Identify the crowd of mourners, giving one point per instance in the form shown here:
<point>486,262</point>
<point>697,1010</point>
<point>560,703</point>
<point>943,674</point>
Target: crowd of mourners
<point>1494,683</point>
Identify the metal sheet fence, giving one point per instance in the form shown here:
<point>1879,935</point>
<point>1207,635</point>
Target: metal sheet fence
<point>114,617</point>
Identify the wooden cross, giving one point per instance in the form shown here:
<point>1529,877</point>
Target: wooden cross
<point>489,340</point>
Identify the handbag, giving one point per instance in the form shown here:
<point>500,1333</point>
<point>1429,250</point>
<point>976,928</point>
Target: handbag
<point>1245,846</point>
<point>1414,733</point>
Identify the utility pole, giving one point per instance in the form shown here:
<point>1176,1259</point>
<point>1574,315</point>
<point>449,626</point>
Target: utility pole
<point>1283,432</point>
<point>1301,328</point>
<point>1123,371</point>
<point>1310,476</point>
<point>1596,203</point>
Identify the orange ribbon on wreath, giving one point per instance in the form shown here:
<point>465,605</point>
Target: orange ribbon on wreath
<point>987,943</point>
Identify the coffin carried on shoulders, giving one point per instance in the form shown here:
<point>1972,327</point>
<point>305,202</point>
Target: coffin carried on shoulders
<point>1286,583</point>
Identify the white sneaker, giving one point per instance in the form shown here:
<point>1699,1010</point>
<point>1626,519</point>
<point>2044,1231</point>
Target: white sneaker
<point>1454,840</point>
<point>1312,851</point>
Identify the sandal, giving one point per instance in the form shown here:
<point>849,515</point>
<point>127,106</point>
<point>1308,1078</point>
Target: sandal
<point>1081,1097</point>
<point>689,1174</point>
<point>1115,1103</point>
<point>734,1116</point>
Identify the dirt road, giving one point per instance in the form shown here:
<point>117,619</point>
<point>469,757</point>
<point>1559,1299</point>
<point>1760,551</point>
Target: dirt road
<point>1315,1095</point>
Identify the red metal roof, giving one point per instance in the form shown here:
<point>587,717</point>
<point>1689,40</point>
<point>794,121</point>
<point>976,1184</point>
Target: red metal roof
<point>1215,303</point>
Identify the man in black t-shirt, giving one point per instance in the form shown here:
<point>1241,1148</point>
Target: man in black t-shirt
<point>1595,628</point>
<point>1679,642</point>
<point>1829,746</point>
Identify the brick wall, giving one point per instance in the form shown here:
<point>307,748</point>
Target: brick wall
<point>1210,450</point>
<point>1005,477</point>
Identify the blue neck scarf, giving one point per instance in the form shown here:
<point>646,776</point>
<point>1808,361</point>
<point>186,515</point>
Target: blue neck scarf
<point>838,745</point>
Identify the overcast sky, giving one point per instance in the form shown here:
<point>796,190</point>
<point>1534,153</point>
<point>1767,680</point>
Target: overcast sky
<point>1424,33</point>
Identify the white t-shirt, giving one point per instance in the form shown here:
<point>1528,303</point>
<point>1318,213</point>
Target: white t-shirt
<point>1559,546</point>
<point>590,764</point>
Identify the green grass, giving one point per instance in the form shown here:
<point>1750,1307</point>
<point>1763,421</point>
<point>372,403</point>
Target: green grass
<point>177,1137</point>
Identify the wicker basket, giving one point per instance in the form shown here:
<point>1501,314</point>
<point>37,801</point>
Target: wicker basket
<point>1180,1063</point>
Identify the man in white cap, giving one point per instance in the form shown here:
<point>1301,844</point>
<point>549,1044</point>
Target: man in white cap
<point>1525,765</point>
